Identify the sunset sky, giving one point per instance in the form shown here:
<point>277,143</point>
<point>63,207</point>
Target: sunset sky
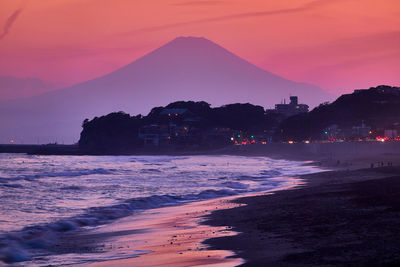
<point>335,44</point>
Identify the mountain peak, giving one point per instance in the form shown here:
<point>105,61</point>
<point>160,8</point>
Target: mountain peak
<point>190,39</point>
<point>191,42</point>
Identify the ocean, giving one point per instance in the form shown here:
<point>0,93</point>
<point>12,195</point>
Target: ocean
<point>44,197</point>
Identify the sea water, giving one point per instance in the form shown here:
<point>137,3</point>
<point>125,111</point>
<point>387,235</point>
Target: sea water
<point>43,197</point>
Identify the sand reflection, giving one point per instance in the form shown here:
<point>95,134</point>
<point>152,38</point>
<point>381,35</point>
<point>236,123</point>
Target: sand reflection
<point>172,237</point>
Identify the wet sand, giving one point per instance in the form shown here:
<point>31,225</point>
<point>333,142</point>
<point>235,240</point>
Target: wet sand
<point>340,218</point>
<point>169,236</point>
<point>349,216</point>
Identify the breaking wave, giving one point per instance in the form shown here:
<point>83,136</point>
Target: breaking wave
<point>18,246</point>
<point>49,198</point>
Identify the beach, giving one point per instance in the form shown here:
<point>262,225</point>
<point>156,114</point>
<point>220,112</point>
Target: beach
<point>343,210</point>
<point>342,218</point>
<point>335,218</point>
<point>347,215</point>
<point>77,209</point>
<point>172,237</point>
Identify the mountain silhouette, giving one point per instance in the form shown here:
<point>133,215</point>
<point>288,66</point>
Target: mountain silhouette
<point>187,68</point>
<point>14,87</point>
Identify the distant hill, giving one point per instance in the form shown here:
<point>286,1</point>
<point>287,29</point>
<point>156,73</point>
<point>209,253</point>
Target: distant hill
<point>186,68</point>
<point>377,107</point>
<point>179,125</point>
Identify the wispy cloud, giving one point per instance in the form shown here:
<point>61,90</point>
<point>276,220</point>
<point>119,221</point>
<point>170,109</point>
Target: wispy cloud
<point>308,6</point>
<point>9,22</point>
<point>200,3</point>
<point>342,49</point>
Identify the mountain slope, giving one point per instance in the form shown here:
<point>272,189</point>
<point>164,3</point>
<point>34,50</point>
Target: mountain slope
<point>186,68</point>
<point>13,87</point>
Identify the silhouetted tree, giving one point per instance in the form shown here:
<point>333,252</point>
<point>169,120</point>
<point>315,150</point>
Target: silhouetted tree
<point>115,132</point>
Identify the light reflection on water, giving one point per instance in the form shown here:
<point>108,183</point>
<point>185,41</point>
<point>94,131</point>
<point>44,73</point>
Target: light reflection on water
<point>42,189</point>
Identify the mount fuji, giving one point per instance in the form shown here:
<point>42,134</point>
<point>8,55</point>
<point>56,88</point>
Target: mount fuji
<point>187,68</point>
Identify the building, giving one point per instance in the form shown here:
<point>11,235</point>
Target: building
<point>293,108</point>
<point>334,132</point>
<point>361,131</point>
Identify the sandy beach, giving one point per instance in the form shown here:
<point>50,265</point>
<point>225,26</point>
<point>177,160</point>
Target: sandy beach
<point>342,218</point>
<point>337,218</point>
<point>346,216</point>
<point>170,236</point>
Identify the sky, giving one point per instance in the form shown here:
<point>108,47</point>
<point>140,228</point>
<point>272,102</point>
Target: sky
<point>338,45</point>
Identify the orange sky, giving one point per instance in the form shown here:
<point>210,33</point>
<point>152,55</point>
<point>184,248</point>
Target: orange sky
<point>336,44</point>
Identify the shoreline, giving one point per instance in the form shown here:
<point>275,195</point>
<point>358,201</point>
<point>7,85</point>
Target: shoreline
<point>176,235</point>
<point>173,236</point>
<point>345,217</point>
<point>72,245</point>
<point>256,234</point>
<point>333,155</point>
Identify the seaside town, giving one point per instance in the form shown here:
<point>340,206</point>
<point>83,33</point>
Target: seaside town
<point>192,125</point>
<point>182,125</point>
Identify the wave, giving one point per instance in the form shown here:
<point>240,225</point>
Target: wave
<point>270,173</point>
<point>74,173</point>
<point>23,245</point>
<point>72,187</point>
<point>149,170</point>
<point>12,185</point>
<point>235,185</point>
<point>265,174</point>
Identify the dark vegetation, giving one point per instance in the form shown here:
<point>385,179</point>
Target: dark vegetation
<point>207,127</point>
<point>377,107</point>
<point>113,131</point>
<point>119,132</point>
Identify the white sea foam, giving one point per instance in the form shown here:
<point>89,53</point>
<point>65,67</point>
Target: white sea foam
<point>43,198</point>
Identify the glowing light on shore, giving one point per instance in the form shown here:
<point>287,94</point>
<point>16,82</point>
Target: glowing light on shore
<point>382,139</point>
